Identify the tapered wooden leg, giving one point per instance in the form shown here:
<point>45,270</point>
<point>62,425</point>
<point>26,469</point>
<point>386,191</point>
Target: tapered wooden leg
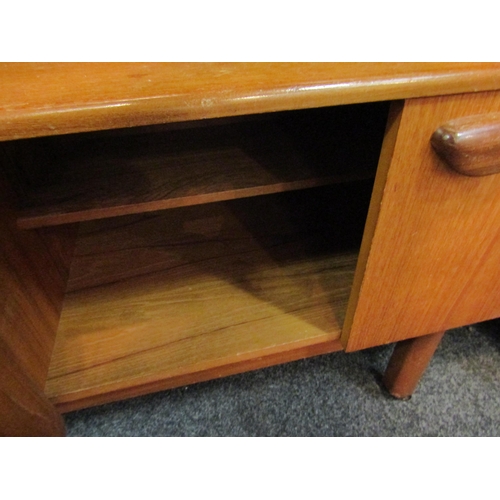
<point>408,363</point>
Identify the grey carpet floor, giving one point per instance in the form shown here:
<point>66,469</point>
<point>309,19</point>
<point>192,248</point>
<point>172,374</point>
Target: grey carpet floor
<point>331,395</point>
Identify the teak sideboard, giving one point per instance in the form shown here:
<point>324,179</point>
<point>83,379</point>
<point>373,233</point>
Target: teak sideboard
<point>163,224</point>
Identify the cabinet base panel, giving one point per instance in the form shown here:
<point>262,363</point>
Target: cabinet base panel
<point>67,404</point>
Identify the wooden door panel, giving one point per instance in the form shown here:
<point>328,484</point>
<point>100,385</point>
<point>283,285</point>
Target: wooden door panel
<point>434,259</point>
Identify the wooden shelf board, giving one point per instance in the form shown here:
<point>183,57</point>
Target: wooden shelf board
<point>156,301</point>
<point>92,176</point>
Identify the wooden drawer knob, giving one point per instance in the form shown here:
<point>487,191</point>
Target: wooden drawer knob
<point>470,145</point>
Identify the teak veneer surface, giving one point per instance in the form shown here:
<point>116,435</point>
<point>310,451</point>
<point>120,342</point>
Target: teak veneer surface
<point>34,268</point>
<point>433,262</point>
<point>161,300</point>
<point>40,99</point>
<point>25,410</point>
<point>203,291</point>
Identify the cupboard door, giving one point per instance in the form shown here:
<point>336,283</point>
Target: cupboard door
<point>430,259</point>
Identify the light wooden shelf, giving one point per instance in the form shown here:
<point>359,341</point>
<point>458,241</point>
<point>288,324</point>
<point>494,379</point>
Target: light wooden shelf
<point>160,300</point>
<point>82,177</point>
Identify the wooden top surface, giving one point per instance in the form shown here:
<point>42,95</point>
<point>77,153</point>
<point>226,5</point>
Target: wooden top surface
<point>38,99</point>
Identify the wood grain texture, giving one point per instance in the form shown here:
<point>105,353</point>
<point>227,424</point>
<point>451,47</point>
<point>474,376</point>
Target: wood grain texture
<point>158,301</point>
<point>385,160</point>
<point>66,403</point>
<point>83,177</point>
<point>25,411</point>
<point>470,145</point>
<point>40,99</point>
<point>34,268</point>
<point>33,272</point>
<point>408,363</point>
<point>434,262</point>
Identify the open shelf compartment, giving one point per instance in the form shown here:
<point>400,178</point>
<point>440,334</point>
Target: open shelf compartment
<point>80,177</point>
<point>161,300</point>
<point>252,264</point>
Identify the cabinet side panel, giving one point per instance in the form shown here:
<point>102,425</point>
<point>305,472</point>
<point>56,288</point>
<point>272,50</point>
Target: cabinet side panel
<point>33,273</point>
<point>434,262</point>
<point>24,409</point>
<point>33,270</point>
